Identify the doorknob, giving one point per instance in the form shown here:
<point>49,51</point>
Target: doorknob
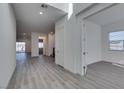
<point>84,53</point>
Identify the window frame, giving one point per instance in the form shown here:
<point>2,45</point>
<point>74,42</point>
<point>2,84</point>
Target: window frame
<point>114,40</point>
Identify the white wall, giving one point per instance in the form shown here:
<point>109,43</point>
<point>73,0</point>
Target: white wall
<point>28,45</point>
<point>107,55</point>
<point>71,43</point>
<point>59,41</point>
<point>7,46</point>
<point>46,47</point>
<point>93,42</point>
<point>78,7</point>
<point>50,43</point>
<point>61,6</point>
<point>34,45</point>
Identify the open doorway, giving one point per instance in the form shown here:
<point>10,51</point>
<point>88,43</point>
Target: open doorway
<point>101,39</point>
<point>40,46</point>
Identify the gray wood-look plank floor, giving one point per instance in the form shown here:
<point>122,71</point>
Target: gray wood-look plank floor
<point>41,72</point>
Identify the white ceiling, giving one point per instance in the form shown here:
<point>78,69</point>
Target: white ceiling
<point>27,16</point>
<point>62,6</point>
<point>108,16</point>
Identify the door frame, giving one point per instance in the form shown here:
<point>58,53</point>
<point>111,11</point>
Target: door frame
<point>94,10</point>
<point>83,48</point>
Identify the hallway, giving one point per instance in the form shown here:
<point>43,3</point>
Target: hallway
<point>41,72</point>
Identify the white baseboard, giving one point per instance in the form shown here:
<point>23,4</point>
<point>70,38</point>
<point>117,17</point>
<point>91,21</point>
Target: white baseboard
<point>119,65</point>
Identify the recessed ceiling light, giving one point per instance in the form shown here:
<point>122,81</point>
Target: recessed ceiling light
<point>41,13</point>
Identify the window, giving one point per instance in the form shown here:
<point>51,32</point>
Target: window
<point>20,46</point>
<point>40,44</point>
<point>116,40</point>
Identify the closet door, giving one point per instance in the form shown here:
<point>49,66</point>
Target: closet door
<point>59,45</point>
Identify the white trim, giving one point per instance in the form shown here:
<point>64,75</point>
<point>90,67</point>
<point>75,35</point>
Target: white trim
<point>91,10</point>
<point>117,64</point>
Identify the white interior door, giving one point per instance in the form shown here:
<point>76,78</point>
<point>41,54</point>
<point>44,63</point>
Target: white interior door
<point>84,63</point>
<point>91,44</point>
<point>59,45</point>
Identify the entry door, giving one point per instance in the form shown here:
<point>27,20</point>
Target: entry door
<point>59,45</point>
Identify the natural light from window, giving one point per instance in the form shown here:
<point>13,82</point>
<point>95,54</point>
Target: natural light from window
<point>20,46</point>
<point>40,44</point>
<point>116,40</point>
